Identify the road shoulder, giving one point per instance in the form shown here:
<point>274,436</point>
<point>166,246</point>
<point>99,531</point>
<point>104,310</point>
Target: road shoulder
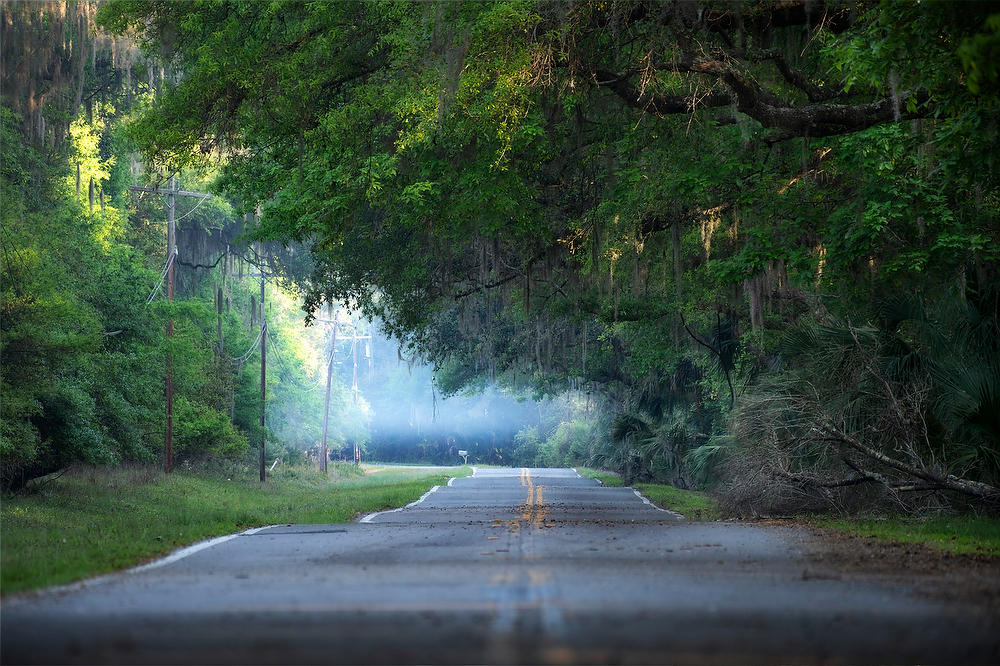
<point>932,573</point>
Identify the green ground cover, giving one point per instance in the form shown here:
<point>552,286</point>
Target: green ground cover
<point>606,478</point>
<point>692,504</point>
<point>956,534</point>
<point>94,521</point>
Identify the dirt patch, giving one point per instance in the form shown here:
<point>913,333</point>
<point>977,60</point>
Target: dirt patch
<point>971,580</point>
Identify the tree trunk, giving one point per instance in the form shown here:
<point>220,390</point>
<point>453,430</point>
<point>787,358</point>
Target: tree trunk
<point>675,241</point>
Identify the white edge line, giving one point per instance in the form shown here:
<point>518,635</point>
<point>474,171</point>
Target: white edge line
<point>191,550</point>
<point>658,508</point>
<point>155,564</point>
<point>594,478</point>
<point>371,516</point>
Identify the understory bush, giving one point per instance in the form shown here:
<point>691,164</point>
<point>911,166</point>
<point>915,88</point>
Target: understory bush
<point>901,414</point>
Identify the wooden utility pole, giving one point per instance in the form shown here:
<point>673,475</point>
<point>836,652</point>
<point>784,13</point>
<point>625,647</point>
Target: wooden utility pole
<point>218,318</point>
<point>326,409</point>
<point>171,192</point>
<point>354,353</point>
<point>171,257</point>
<point>329,375</point>
<point>263,376</point>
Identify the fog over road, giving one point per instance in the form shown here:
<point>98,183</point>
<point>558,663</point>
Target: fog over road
<point>510,566</point>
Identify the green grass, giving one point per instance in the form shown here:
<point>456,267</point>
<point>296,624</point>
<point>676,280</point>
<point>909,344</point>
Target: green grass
<point>95,521</point>
<point>380,463</point>
<point>606,478</point>
<point>692,504</point>
<point>957,534</point>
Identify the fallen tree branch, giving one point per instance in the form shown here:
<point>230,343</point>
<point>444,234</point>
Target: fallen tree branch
<point>946,482</point>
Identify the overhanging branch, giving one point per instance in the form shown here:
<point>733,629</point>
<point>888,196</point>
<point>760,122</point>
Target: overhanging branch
<point>750,98</point>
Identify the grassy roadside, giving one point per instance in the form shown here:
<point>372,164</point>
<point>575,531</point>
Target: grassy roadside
<point>692,504</point>
<point>609,479</point>
<point>95,521</point>
<point>972,535</point>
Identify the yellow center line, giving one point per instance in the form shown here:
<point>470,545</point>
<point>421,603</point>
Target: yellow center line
<point>540,510</point>
<point>535,511</point>
<point>530,502</point>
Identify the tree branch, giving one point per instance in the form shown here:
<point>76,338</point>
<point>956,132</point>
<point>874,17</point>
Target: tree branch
<point>750,98</point>
<point>780,15</point>
<point>483,287</point>
<point>829,432</point>
<point>722,362</point>
<point>798,79</point>
<point>660,105</point>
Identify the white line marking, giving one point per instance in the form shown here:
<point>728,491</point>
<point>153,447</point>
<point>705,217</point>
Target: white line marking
<point>370,516</point>
<point>658,508</point>
<point>155,564</point>
<point>192,549</point>
<point>254,530</point>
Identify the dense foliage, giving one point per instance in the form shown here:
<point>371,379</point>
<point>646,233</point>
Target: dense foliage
<point>710,214</point>
<point>83,317</point>
<point>761,236</point>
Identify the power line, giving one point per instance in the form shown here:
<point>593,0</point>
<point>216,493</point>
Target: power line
<point>281,362</point>
<point>243,357</point>
<point>200,202</point>
<point>163,276</point>
<point>212,265</point>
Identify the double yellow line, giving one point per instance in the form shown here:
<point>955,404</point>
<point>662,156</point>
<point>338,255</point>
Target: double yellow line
<point>534,508</point>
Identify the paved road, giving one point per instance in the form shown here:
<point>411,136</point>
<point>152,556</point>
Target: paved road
<point>509,566</point>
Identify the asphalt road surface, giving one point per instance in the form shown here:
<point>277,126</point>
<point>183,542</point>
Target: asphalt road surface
<point>508,566</point>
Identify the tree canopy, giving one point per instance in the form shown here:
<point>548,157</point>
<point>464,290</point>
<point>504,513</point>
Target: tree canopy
<point>745,227</point>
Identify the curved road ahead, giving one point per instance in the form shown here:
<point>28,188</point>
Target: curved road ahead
<point>508,566</point>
